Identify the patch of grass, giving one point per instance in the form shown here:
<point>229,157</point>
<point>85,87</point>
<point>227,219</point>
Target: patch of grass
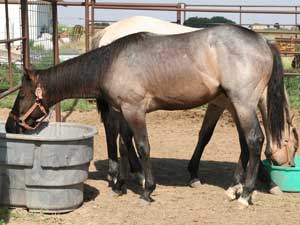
<point>82,104</point>
<point>4,79</point>
<point>293,88</point>
<point>8,101</point>
<point>66,105</point>
<point>4,215</point>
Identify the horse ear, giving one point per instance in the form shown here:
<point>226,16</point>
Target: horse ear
<point>30,74</point>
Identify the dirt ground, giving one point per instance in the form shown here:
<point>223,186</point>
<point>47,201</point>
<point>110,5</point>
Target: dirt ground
<point>173,136</point>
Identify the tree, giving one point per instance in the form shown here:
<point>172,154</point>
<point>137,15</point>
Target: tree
<point>200,22</point>
<point>220,19</point>
<point>102,24</point>
<point>277,26</point>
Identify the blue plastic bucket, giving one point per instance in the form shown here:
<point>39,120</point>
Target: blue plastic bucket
<point>287,178</point>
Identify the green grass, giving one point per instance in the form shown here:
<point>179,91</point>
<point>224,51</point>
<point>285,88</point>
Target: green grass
<point>4,215</point>
<point>4,79</point>
<point>293,87</point>
<point>292,83</point>
<point>66,105</point>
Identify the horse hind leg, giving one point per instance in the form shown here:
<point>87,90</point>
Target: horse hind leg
<point>134,163</point>
<point>127,157</point>
<point>211,118</point>
<point>248,122</point>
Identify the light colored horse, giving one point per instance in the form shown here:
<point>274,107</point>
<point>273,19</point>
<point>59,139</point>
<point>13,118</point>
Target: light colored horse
<point>136,24</point>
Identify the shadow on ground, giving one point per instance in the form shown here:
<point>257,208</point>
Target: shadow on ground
<point>173,172</point>
<point>90,193</point>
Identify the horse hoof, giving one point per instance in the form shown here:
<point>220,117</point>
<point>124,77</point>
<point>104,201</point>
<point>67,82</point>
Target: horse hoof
<point>146,197</point>
<point>243,202</point>
<point>276,191</point>
<point>118,192</point>
<point>195,183</point>
<point>231,193</point>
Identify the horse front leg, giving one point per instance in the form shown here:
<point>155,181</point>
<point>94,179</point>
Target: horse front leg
<point>136,119</point>
<point>110,120</point>
<point>210,120</point>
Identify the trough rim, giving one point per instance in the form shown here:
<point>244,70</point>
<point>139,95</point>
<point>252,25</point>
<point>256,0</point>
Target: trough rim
<point>91,132</point>
<point>282,168</point>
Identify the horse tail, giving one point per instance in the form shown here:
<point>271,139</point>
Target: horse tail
<point>276,98</point>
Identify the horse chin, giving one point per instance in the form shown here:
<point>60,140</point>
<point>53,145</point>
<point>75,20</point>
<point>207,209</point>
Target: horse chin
<point>11,126</point>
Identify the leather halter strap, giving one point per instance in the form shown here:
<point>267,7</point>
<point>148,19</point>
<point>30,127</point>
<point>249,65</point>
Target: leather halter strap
<point>37,104</point>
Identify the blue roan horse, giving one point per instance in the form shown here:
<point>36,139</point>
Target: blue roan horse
<point>142,73</point>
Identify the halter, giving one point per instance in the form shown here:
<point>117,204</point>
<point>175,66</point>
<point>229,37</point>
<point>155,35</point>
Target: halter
<point>21,121</point>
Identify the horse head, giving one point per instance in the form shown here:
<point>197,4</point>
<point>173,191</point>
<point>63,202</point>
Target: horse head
<point>285,155</point>
<point>29,105</point>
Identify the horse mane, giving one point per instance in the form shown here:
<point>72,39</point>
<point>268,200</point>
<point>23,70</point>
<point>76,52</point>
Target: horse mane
<point>84,69</point>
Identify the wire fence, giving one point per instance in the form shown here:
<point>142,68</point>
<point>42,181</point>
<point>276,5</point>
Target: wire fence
<point>40,35</point>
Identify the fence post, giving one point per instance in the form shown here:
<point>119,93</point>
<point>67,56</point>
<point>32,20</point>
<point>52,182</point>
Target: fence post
<point>55,52</point>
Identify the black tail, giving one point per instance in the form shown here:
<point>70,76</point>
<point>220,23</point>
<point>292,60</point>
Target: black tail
<point>276,99</point>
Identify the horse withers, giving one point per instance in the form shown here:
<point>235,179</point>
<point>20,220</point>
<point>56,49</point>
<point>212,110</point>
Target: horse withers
<point>143,72</point>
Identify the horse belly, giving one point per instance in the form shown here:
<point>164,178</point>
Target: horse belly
<point>186,97</point>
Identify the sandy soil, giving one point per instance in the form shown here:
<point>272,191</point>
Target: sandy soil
<point>173,136</point>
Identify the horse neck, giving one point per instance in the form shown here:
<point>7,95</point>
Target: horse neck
<point>76,78</point>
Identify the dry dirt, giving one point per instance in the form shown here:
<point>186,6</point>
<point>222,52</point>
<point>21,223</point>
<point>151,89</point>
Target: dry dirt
<point>173,136</point>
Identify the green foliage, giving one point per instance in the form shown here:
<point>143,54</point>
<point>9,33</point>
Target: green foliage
<point>37,48</point>
<point>200,22</point>
<point>44,62</point>
<point>104,24</point>
<point>62,27</point>
<point>220,19</point>
<point>293,88</point>
<point>66,105</point>
<point>4,79</point>
<point>4,215</point>
<point>78,104</point>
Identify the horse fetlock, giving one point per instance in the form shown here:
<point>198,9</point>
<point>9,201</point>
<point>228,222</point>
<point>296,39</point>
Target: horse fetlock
<point>140,178</point>
<point>234,192</point>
